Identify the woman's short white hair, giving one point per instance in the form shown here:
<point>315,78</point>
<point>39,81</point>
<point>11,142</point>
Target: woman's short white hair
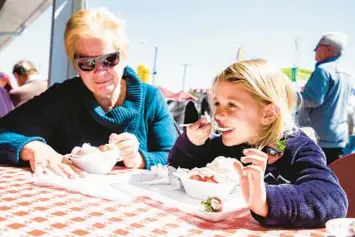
<point>336,39</point>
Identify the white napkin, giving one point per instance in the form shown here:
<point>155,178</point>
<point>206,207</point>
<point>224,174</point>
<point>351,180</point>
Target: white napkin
<point>92,185</point>
<point>158,175</point>
<point>101,186</point>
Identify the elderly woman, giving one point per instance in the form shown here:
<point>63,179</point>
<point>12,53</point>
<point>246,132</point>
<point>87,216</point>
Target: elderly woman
<point>106,103</point>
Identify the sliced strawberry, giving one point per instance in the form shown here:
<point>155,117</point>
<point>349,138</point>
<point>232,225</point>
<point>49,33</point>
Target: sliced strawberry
<point>209,179</point>
<point>196,177</point>
<point>213,179</point>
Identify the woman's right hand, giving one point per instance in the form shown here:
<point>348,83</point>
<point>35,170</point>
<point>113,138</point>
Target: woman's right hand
<point>44,159</point>
<point>199,132</point>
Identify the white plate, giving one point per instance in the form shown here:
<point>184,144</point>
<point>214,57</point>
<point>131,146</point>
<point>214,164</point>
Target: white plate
<point>159,174</point>
<point>339,227</point>
<point>233,206</point>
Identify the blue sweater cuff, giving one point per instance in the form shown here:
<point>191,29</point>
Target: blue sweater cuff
<point>154,158</point>
<point>277,211</point>
<point>147,159</point>
<point>268,220</point>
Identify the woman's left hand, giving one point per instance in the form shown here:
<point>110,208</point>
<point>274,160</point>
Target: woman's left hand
<point>253,180</point>
<point>128,145</point>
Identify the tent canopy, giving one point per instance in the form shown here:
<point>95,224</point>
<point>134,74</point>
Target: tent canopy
<point>166,93</point>
<point>180,96</point>
<point>17,14</point>
<point>183,95</point>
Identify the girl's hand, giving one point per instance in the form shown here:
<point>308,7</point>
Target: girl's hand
<point>252,180</point>
<point>199,132</point>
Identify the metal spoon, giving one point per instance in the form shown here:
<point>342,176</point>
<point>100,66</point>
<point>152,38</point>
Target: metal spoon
<point>215,126</point>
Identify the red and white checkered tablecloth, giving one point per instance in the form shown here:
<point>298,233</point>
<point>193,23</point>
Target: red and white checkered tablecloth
<point>28,210</point>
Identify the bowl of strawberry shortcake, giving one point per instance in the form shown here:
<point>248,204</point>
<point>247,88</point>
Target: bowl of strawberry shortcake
<point>218,179</point>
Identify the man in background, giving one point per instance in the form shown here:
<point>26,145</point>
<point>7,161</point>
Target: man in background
<point>29,82</point>
<point>326,94</point>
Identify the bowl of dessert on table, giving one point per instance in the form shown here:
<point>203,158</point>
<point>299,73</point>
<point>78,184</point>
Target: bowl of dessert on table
<point>217,178</point>
<point>95,160</point>
<point>215,188</point>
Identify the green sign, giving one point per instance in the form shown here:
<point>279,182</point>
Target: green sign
<point>294,74</point>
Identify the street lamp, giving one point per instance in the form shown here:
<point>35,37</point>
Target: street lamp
<point>185,65</point>
<point>154,71</point>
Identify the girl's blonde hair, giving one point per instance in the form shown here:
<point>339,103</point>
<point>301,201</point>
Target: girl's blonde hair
<point>95,23</point>
<point>268,85</point>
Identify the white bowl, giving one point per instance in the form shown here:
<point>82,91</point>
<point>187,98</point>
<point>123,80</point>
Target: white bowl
<point>203,190</point>
<point>96,163</point>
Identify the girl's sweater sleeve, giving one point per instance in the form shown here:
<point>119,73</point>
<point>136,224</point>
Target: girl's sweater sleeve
<point>312,199</point>
<point>185,154</point>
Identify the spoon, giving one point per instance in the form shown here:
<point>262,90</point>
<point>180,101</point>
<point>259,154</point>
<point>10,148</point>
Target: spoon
<point>215,126</point>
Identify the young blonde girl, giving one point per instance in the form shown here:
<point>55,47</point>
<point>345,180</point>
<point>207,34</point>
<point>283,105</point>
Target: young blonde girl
<point>286,181</point>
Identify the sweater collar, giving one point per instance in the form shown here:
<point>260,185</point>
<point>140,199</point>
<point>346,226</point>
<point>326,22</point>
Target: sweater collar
<point>331,59</point>
<point>122,117</point>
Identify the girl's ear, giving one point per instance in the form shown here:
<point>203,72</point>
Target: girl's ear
<point>271,112</point>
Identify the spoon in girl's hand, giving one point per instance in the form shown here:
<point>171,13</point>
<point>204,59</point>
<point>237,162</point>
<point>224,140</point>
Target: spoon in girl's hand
<point>215,126</point>
<point>213,123</point>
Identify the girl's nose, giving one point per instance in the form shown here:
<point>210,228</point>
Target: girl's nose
<point>218,115</point>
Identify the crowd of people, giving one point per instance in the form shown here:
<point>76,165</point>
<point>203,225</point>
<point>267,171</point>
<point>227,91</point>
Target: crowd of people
<point>255,101</point>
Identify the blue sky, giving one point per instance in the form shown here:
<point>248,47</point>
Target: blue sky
<point>206,34</point>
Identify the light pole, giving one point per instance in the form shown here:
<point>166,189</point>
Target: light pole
<point>297,49</point>
<point>297,61</point>
<point>154,73</point>
<point>154,70</point>
<point>185,65</point>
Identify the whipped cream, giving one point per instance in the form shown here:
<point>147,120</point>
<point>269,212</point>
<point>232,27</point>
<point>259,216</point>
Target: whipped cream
<point>221,168</point>
<point>86,149</point>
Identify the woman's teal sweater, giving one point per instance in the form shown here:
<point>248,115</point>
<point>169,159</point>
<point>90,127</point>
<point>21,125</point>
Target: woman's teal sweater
<point>67,115</point>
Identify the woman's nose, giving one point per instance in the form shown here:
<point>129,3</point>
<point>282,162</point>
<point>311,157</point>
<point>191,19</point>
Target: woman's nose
<point>99,68</point>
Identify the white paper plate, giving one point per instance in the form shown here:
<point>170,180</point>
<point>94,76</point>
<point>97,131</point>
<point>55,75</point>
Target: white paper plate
<point>233,206</point>
<point>339,227</point>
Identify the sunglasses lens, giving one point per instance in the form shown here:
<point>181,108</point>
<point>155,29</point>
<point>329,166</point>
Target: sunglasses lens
<point>87,64</point>
<point>110,60</point>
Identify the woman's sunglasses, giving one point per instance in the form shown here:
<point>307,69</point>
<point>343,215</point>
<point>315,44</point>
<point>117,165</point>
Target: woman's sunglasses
<point>107,60</point>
